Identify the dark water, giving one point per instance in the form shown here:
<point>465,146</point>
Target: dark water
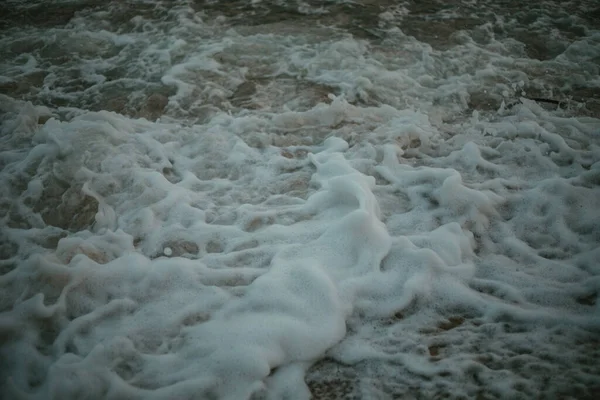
<point>541,31</point>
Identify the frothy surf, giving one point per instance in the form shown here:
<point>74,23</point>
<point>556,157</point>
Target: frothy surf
<point>279,200</point>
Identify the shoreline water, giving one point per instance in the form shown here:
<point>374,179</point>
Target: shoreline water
<point>261,199</point>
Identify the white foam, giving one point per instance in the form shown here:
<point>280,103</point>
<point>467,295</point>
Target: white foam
<point>310,209</point>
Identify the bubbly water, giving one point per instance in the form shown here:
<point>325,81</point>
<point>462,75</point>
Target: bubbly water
<point>291,199</point>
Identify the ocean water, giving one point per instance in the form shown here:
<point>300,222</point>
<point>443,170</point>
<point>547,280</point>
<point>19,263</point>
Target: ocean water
<point>299,199</point>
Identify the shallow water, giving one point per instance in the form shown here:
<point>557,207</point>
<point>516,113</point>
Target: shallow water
<point>286,199</point>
